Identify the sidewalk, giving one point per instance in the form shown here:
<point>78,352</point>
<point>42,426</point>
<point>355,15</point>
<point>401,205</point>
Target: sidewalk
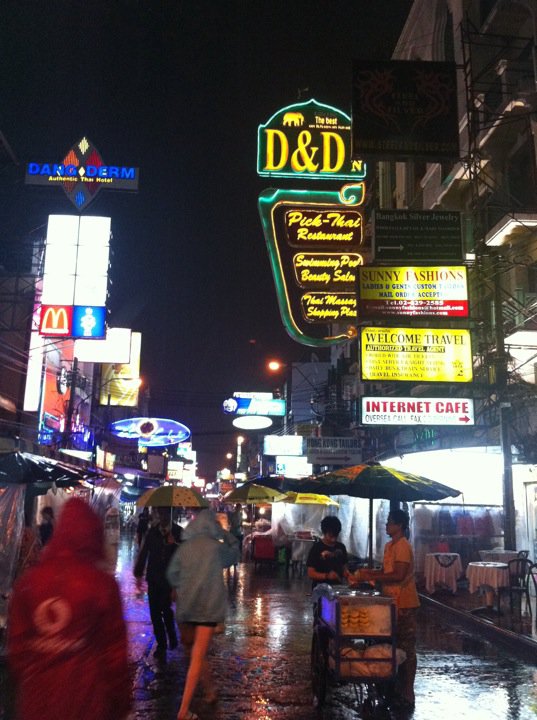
<point>517,628</point>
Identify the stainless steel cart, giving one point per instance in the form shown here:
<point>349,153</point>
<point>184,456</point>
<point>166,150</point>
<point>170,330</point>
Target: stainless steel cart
<point>354,642</point>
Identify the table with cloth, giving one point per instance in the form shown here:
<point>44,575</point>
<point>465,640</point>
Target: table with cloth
<point>489,576</point>
<point>503,556</point>
<point>442,569</point>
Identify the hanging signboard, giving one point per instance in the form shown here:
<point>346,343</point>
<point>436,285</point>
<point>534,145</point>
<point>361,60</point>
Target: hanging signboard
<point>315,248</point>
<point>417,236</point>
<point>417,411</point>
<point>82,173</point>
<point>403,109</point>
<point>308,140</point>
<point>430,291</point>
<point>416,354</point>
<point>333,450</point>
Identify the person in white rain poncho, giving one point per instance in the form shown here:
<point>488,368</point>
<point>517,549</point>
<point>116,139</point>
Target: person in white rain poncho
<point>195,572</point>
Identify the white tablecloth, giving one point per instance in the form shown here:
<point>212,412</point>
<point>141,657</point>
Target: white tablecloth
<point>444,569</point>
<point>502,556</point>
<point>487,574</point>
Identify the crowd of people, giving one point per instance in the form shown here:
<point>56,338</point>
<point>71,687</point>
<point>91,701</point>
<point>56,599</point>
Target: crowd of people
<point>66,621</point>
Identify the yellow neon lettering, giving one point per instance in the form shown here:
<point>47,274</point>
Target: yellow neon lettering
<point>301,153</point>
<point>328,137</point>
<point>271,165</point>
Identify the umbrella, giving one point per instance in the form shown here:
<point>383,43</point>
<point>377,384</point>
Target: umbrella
<point>254,494</point>
<point>172,496</point>
<point>24,467</point>
<point>372,480</point>
<point>302,498</point>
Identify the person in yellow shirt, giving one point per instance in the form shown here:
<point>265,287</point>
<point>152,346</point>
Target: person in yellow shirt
<point>397,580</point>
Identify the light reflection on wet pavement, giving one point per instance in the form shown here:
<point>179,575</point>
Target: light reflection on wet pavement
<point>261,662</point>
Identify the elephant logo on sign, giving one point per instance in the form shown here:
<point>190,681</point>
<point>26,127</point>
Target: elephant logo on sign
<point>293,119</point>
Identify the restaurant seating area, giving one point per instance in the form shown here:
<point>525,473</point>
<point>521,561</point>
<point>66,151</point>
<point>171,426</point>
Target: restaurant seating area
<point>502,592</point>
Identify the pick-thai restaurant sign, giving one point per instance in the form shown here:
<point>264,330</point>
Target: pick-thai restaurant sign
<point>403,108</point>
<point>315,244</point>
<point>416,354</point>
<point>309,140</point>
<point>82,173</point>
<point>438,291</point>
<point>417,411</point>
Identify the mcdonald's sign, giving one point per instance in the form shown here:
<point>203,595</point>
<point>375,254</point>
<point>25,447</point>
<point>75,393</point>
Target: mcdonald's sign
<point>56,320</point>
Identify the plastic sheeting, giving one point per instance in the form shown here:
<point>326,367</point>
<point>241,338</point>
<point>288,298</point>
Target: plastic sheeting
<point>12,525</point>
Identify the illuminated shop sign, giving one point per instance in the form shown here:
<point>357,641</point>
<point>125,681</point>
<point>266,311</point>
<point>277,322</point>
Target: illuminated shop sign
<point>283,445</point>
<point>314,240</point>
<point>73,321</point>
<point>323,226</point>
<point>120,383</point>
<point>56,320</point>
<point>255,406</point>
<point>327,271</point>
<point>309,140</point>
<point>435,291</point>
<point>82,173</point>
<point>151,432</point>
<point>416,354</point>
<point>89,322</point>
<point>417,411</point>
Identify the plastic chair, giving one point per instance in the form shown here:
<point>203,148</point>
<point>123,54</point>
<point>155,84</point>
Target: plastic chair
<point>263,550</point>
<point>519,579</point>
<point>523,554</point>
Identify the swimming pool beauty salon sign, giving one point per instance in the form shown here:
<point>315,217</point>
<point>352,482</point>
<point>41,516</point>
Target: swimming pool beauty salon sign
<point>308,140</point>
<point>82,173</point>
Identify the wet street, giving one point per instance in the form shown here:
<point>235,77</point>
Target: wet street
<point>261,662</point>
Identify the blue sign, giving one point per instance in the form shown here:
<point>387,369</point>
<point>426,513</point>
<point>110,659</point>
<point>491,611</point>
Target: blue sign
<point>151,432</point>
<point>89,321</point>
<point>274,407</point>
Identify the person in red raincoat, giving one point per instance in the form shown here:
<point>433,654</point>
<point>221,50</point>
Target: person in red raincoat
<point>67,641</point>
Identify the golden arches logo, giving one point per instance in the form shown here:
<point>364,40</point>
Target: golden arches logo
<point>55,320</point>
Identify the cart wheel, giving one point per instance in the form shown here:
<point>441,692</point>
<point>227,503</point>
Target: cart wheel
<point>319,668</point>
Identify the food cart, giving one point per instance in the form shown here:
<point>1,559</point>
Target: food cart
<point>354,642</point>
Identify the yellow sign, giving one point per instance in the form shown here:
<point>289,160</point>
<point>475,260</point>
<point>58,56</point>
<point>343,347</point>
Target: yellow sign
<point>416,354</point>
<point>120,382</point>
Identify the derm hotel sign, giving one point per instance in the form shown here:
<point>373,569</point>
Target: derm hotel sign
<point>416,354</point>
<point>82,173</point>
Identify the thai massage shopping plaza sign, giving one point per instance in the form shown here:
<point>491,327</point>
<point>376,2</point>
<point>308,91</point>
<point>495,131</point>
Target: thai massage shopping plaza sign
<point>82,173</point>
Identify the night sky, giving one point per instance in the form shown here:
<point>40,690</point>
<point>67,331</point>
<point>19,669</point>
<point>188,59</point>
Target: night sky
<point>178,89</point>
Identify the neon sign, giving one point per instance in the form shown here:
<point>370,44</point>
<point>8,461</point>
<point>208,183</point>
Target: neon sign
<point>82,173</point>
<point>310,140</point>
<point>151,432</point>
<point>78,321</point>
<point>316,286</point>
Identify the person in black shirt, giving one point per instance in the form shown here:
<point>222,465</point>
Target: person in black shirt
<point>156,551</point>
<point>46,528</point>
<point>327,559</point>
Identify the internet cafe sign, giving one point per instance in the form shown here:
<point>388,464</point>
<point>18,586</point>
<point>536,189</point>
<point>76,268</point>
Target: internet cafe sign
<point>416,354</point>
<point>82,173</point>
<point>309,140</point>
<point>314,240</point>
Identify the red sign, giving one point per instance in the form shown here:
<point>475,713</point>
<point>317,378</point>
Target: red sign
<point>56,320</point>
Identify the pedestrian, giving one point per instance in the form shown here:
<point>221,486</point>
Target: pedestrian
<point>46,527</point>
<point>155,553</point>
<point>112,534</point>
<point>397,580</point>
<point>235,524</point>
<point>327,559</point>
<point>142,526</point>
<point>195,572</point>
<point>67,640</point>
